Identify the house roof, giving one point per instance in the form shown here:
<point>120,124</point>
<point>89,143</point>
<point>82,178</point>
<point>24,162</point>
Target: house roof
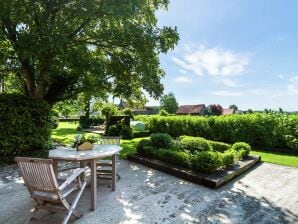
<point>228,111</point>
<point>190,109</point>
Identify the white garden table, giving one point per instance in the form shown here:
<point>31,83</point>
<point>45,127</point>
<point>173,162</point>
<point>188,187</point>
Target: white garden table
<point>98,151</point>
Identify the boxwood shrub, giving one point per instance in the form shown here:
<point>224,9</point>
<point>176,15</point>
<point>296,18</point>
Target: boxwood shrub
<point>207,161</point>
<point>161,140</point>
<point>194,144</point>
<point>219,146</point>
<point>25,127</point>
<point>241,148</point>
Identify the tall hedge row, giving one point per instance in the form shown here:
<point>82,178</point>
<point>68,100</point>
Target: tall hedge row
<point>25,126</point>
<point>258,129</point>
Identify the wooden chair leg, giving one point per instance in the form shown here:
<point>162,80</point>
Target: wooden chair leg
<point>31,218</point>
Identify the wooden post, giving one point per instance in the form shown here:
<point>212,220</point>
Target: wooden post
<point>93,184</point>
<point>82,176</point>
<point>55,167</point>
<point>114,168</point>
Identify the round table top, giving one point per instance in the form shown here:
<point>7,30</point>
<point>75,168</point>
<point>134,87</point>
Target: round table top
<point>71,154</point>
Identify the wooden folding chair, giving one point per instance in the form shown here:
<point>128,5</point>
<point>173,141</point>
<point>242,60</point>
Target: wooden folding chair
<point>105,167</point>
<point>47,191</point>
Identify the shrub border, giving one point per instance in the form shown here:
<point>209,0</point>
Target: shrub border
<point>214,180</point>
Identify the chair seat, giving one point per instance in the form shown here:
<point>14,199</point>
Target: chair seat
<point>104,163</point>
<point>52,196</point>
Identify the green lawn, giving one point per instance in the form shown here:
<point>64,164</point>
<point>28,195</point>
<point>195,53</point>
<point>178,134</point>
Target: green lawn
<point>66,131</point>
<point>277,158</point>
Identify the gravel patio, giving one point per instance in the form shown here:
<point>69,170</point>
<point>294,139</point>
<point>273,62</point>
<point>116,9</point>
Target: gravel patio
<point>266,194</point>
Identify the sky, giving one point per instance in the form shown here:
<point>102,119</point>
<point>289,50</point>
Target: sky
<point>242,52</point>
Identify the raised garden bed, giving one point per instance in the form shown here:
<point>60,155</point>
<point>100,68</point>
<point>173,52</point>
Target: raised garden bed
<point>214,180</point>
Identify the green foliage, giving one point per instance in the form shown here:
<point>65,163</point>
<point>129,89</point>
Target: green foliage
<point>257,129</point>
<point>229,157</point>
<point>207,161</point>
<point>141,144</point>
<point>137,126</point>
<point>25,126</point>
<point>81,138</point>
<point>128,112</point>
<point>214,109</point>
<point>86,122</point>
<point>163,113</point>
<point>161,140</point>
<point>169,103</point>
<point>54,121</point>
<point>241,148</point>
<point>126,132</point>
<point>194,144</point>
<point>59,49</point>
<point>219,146</point>
<point>174,157</point>
<point>139,134</point>
<point>114,130</point>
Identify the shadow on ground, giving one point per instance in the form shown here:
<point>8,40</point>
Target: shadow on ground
<point>265,194</point>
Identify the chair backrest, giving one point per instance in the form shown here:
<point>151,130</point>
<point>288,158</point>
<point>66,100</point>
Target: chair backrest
<point>110,140</point>
<point>38,174</point>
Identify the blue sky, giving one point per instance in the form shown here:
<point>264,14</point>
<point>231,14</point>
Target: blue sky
<point>233,52</point>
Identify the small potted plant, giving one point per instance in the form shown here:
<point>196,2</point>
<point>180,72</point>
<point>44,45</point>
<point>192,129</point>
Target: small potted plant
<point>84,142</point>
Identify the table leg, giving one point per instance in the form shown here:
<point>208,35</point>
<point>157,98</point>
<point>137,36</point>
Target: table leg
<point>114,169</point>
<point>93,184</point>
<point>82,176</point>
<point>55,166</point>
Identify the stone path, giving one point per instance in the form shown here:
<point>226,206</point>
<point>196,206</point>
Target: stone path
<point>266,194</point>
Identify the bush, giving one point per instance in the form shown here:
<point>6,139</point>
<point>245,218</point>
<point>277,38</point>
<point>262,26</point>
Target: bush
<point>229,157</point>
<point>219,146</point>
<point>194,144</point>
<point>86,122</point>
<point>128,112</point>
<point>54,121</point>
<point>25,127</point>
<point>241,148</point>
<point>141,144</point>
<point>161,140</point>
<point>207,161</point>
<point>258,129</point>
<point>140,134</point>
<point>163,113</point>
<point>126,132</point>
<point>174,157</point>
<point>114,130</point>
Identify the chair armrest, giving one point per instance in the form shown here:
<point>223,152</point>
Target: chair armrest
<point>72,177</point>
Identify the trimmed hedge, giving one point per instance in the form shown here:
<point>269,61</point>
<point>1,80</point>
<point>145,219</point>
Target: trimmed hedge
<point>192,152</point>
<point>25,127</point>
<point>194,144</point>
<point>258,129</point>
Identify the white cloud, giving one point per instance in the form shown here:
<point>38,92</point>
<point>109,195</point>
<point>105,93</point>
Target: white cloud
<point>230,83</point>
<point>182,71</point>
<point>293,85</point>
<point>212,61</point>
<point>226,93</point>
<point>182,79</point>
<point>281,76</point>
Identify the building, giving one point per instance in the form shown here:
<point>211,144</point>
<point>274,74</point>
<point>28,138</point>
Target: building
<point>191,109</point>
<point>228,111</point>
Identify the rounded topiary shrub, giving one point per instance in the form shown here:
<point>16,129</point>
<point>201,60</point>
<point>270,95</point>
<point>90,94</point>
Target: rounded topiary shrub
<point>142,143</point>
<point>241,148</point>
<point>25,127</point>
<point>229,157</point>
<point>114,130</point>
<point>194,144</point>
<point>206,162</point>
<point>161,140</point>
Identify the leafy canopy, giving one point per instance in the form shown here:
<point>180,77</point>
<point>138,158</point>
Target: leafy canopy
<point>60,48</point>
<point>169,103</point>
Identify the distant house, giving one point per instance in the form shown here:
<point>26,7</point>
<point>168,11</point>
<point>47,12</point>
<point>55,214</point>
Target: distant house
<point>228,111</point>
<point>191,109</point>
<point>146,110</point>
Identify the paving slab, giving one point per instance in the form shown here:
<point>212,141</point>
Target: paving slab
<point>267,193</point>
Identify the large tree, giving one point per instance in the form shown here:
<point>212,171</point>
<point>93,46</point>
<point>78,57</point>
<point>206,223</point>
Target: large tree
<point>59,48</point>
<point>169,103</point>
